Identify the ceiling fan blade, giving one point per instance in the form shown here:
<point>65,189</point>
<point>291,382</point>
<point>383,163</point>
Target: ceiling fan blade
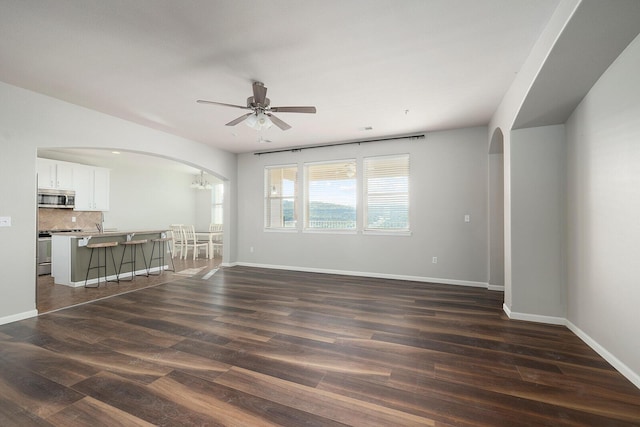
<point>276,121</point>
<point>239,119</point>
<point>202,101</point>
<point>311,110</point>
<point>259,93</point>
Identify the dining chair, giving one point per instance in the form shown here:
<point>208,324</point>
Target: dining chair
<point>215,227</point>
<point>215,242</point>
<point>191,242</point>
<point>178,240</point>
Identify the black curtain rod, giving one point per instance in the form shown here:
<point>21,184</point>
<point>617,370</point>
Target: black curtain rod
<point>294,149</point>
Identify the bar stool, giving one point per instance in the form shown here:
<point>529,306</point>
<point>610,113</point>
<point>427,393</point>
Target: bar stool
<point>133,245</point>
<point>162,244</point>
<point>103,246</point>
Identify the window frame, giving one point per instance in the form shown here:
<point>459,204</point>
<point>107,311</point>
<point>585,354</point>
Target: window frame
<point>268,197</point>
<point>217,203</point>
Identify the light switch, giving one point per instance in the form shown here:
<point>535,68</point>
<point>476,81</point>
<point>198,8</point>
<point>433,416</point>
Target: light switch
<point>5,221</point>
<point>467,218</point>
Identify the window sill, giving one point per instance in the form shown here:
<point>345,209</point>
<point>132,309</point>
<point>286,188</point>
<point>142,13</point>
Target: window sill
<point>402,233</point>
<point>329,231</point>
<point>281,230</point>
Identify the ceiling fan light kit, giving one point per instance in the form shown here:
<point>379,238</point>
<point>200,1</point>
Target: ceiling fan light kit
<point>260,116</point>
<point>259,121</point>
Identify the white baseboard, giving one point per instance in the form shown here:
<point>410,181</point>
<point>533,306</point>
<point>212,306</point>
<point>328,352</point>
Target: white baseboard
<point>606,355</point>
<point>369,274</point>
<point>18,316</point>
<point>614,361</point>
<point>498,288</point>
<point>550,320</point>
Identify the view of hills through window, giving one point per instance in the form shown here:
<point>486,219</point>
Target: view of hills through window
<point>331,200</point>
<point>331,195</point>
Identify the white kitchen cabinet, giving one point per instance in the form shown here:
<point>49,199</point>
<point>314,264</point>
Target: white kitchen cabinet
<point>55,174</point>
<point>101,189</point>
<point>46,173</point>
<point>92,188</point>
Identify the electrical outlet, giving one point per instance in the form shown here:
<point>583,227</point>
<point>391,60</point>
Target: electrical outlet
<point>251,249</point>
<point>434,260</point>
<point>73,219</point>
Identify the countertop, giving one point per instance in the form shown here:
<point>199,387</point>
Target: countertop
<point>96,233</point>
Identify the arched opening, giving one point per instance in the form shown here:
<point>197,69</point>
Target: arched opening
<point>148,192</point>
<point>496,211</point>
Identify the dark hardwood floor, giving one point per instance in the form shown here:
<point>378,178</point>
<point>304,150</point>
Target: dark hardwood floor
<point>50,296</point>
<point>253,347</point>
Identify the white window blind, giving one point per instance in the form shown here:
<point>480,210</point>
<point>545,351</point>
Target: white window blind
<point>386,191</point>
<point>280,196</point>
<point>217,207</point>
<point>331,194</point>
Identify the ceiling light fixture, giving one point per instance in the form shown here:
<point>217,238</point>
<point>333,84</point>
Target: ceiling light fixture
<point>259,121</point>
<point>200,183</point>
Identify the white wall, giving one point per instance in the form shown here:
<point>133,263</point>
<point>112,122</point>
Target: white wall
<point>28,121</point>
<point>603,148</point>
<point>203,200</point>
<point>146,197</point>
<point>448,180</point>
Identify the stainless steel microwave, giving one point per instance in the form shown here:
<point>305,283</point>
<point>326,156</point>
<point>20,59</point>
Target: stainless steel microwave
<point>49,198</point>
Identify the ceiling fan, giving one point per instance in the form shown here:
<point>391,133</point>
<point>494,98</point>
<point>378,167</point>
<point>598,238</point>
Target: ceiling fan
<point>260,116</point>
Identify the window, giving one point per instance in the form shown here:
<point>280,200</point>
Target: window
<point>331,194</point>
<point>386,192</point>
<point>280,190</point>
<point>217,206</point>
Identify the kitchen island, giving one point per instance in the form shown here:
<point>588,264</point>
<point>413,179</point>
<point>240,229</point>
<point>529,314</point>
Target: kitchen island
<point>70,256</point>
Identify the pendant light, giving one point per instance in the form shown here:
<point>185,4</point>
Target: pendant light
<point>200,183</point>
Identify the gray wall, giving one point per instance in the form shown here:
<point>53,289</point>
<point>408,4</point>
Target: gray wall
<point>574,264</point>
<point>448,180</point>
<point>537,164</point>
<point>603,148</point>
<point>496,203</point>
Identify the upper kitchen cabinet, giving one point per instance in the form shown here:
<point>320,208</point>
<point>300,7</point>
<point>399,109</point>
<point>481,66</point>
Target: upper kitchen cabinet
<point>55,174</point>
<point>92,188</point>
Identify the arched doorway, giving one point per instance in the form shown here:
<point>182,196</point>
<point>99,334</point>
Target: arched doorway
<point>147,192</point>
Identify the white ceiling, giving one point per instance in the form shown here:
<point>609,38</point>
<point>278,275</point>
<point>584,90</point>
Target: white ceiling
<point>398,66</point>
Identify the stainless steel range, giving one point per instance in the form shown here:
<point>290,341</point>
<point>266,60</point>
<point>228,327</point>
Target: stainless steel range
<point>44,253</point>
<point>44,249</point>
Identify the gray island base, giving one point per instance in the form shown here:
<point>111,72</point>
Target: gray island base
<point>70,256</point>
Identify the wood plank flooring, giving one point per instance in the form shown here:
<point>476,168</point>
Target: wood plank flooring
<point>50,296</point>
<point>257,347</point>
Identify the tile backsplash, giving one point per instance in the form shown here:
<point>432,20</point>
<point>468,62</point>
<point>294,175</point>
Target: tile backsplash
<point>62,219</point>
